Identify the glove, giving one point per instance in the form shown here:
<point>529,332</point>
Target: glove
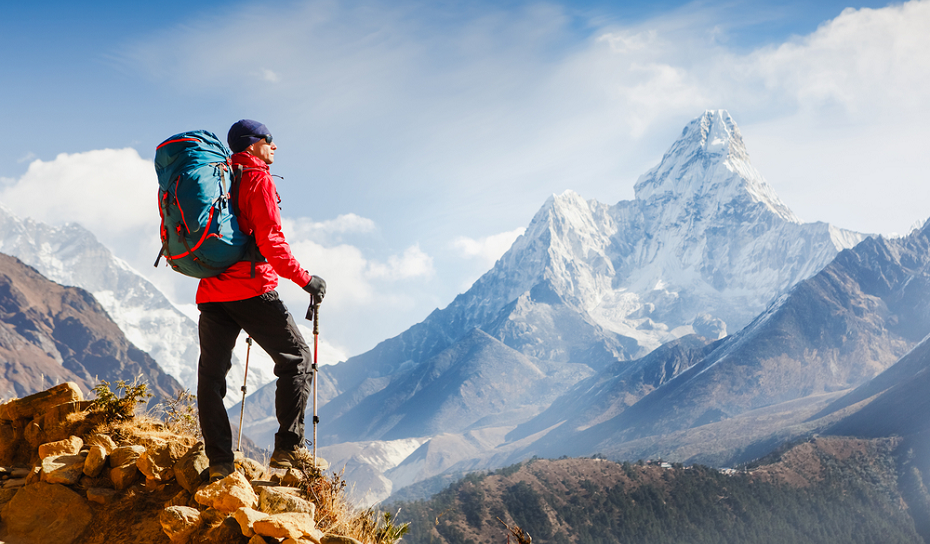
<point>316,287</point>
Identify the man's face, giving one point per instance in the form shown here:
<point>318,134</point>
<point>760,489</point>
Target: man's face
<point>263,150</point>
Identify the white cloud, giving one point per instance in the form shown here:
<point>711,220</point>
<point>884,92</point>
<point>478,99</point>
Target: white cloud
<point>488,249</point>
<point>27,157</point>
<point>348,223</point>
<point>105,190</point>
<point>413,263</point>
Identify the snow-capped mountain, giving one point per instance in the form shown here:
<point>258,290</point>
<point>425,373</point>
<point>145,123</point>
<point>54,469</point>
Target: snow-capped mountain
<point>71,255</point>
<point>703,248</point>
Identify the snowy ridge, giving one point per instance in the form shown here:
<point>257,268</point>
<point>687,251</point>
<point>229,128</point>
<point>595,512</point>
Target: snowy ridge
<point>71,255</point>
<point>705,239</point>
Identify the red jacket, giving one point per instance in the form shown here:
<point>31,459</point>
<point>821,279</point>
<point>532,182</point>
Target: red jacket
<point>259,216</point>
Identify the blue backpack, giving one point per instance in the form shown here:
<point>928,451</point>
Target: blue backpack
<point>199,233</point>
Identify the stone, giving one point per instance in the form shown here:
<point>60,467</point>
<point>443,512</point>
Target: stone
<point>188,470</point>
<point>226,531</point>
<point>69,446</point>
<point>157,461</point>
<point>246,518</point>
<point>63,469</point>
<point>227,495</point>
<point>96,459</point>
<point>8,443</point>
<point>125,455</point>
<point>183,498</point>
<point>274,500</point>
<point>124,476</point>
<point>258,539</point>
<point>288,525</point>
<point>35,475</point>
<point>20,472</point>
<point>57,415</point>
<point>338,539</point>
<point>34,434</point>
<point>292,478</point>
<point>102,495</point>
<point>14,482</point>
<point>251,468</point>
<point>102,440</point>
<point>7,494</point>
<point>46,512</point>
<point>33,405</point>
<point>180,522</point>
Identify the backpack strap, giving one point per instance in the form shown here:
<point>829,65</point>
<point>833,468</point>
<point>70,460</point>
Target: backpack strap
<point>255,256</point>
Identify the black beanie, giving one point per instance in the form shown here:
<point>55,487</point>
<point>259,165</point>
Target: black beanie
<point>244,133</point>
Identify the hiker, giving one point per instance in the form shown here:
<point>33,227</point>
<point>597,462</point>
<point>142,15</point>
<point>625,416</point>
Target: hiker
<point>243,297</point>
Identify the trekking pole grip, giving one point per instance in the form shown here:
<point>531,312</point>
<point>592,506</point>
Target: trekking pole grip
<point>316,322</point>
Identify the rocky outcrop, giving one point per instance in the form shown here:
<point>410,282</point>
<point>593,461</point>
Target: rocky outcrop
<point>90,487</point>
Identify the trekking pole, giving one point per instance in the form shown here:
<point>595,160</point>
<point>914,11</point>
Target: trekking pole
<point>248,349</point>
<point>316,335</point>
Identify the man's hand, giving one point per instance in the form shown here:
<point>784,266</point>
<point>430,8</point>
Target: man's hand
<point>316,287</point>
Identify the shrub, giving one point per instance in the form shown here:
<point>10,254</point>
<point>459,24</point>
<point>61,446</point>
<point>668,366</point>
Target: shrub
<point>119,404</point>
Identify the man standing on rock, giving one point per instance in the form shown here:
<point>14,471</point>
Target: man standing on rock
<point>244,298</point>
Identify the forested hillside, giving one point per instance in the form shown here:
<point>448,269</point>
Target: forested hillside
<point>823,491</point>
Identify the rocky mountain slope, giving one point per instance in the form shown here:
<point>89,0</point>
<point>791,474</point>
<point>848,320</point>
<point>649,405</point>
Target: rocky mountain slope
<point>51,334</point>
<point>831,333</point>
<point>71,255</point>
<point>825,490</point>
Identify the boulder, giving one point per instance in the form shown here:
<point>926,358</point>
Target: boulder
<point>34,434</point>
<point>157,462</point>
<point>180,522</point>
<point>124,476</point>
<point>126,455</point>
<point>37,404</point>
<point>102,495</point>
<point>8,443</point>
<point>7,494</point>
<point>226,531</point>
<point>275,500</point>
<point>251,468</point>
<point>246,518</point>
<point>189,468</point>
<point>46,512</point>
<point>68,446</point>
<point>182,498</point>
<point>63,469</point>
<point>58,415</point>
<point>288,525</point>
<point>96,459</point>
<point>228,495</point>
<point>258,539</point>
<point>292,478</point>
<point>102,440</point>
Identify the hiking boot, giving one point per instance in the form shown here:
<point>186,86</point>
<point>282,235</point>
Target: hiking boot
<point>282,458</point>
<point>220,471</point>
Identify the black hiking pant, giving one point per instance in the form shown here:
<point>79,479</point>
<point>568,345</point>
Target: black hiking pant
<point>271,326</point>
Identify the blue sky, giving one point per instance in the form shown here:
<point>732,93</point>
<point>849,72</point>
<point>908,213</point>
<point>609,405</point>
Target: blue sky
<point>416,139</point>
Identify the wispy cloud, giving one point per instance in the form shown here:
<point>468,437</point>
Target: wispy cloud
<point>488,249</point>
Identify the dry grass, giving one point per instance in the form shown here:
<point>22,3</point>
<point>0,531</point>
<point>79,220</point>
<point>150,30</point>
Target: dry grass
<point>336,515</point>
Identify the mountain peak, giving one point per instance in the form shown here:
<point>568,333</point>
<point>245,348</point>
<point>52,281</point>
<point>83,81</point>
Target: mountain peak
<point>709,163</point>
